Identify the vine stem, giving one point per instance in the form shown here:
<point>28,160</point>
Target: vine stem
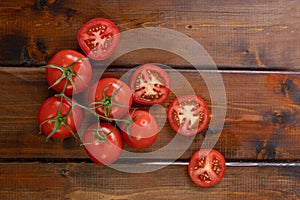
<point>60,119</point>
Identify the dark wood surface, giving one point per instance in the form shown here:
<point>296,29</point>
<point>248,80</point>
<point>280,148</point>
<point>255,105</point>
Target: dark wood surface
<point>254,44</point>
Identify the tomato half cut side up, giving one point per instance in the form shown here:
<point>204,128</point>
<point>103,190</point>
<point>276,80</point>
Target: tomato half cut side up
<point>98,38</point>
<point>207,167</point>
<point>150,85</point>
<point>188,115</point>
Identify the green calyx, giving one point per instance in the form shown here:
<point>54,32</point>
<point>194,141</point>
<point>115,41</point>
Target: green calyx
<point>59,120</point>
<point>107,102</point>
<point>67,73</point>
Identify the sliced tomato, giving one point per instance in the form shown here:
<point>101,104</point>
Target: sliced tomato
<point>103,143</point>
<point>98,38</point>
<point>188,115</point>
<point>207,167</point>
<point>150,85</point>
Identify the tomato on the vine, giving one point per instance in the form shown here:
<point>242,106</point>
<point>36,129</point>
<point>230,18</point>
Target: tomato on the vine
<point>70,66</point>
<point>150,85</point>
<point>59,118</point>
<point>141,129</point>
<point>103,143</point>
<point>207,167</point>
<point>111,98</point>
<point>98,38</point>
<point>188,115</point>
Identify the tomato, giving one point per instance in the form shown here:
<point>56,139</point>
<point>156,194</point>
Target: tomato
<point>103,143</point>
<point>98,38</point>
<point>111,98</point>
<point>188,115</point>
<point>70,66</point>
<point>206,167</point>
<point>150,85</point>
<point>58,118</point>
<point>142,131</point>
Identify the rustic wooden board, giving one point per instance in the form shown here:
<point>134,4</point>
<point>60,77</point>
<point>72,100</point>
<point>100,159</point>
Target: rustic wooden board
<point>261,121</point>
<point>89,181</point>
<point>237,34</point>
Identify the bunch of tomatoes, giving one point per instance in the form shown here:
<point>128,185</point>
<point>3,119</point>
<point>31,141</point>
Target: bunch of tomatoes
<point>110,101</point>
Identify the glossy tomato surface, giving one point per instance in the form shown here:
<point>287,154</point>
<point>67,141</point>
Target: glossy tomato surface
<point>74,66</point>
<point>103,143</point>
<point>207,167</point>
<point>51,113</point>
<point>150,85</point>
<point>111,98</point>
<point>98,38</point>
<point>188,115</point>
<point>143,130</point>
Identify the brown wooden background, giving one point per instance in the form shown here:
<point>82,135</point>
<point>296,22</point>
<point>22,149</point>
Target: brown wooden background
<point>256,46</point>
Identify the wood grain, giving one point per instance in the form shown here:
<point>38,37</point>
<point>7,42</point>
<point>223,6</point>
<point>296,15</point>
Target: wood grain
<point>262,35</point>
<point>89,181</point>
<point>261,121</point>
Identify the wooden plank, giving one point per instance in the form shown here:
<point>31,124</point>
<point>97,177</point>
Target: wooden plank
<point>88,181</point>
<point>236,34</point>
<point>261,121</point>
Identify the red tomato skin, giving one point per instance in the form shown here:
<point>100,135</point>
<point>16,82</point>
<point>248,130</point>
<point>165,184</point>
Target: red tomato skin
<point>83,35</point>
<point>106,152</point>
<point>82,68</point>
<point>195,159</point>
<point>143,131</point>
<point>49,109</point>
<point>165,91</point>
<point>123,96</point>
<point>181,130</point>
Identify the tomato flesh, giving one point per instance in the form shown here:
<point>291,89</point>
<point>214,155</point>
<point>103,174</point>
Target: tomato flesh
<point>103,143</point>
<point>207,167</point>
<point>188,115</point>
<point>98,38</point>
<point>150,85</point>
<point>142,132</point>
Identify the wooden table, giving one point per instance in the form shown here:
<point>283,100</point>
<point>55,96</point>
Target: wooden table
<point>256,47</point>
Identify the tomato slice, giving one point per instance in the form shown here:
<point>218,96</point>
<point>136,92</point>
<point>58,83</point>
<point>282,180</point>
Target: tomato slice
<point>188,115</point>
<point>98,38</point>
<point>207,167</point>
<point>150,85</point>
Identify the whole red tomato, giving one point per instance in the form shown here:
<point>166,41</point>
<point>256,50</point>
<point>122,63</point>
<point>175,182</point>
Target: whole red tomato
<point>58,118</point>
<point>188,115</point>
<point>150,85</point>
<point>111,98</point>
<point>207,167</point>
<point>70,66</point>
<point>103,143</point>
<point>98,38</point>
<point>141,131</point>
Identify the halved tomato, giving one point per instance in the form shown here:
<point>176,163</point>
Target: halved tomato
<point>207,167</point>
<point>188,115</point>
<point>150,85</point>
<point>98,38</point>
